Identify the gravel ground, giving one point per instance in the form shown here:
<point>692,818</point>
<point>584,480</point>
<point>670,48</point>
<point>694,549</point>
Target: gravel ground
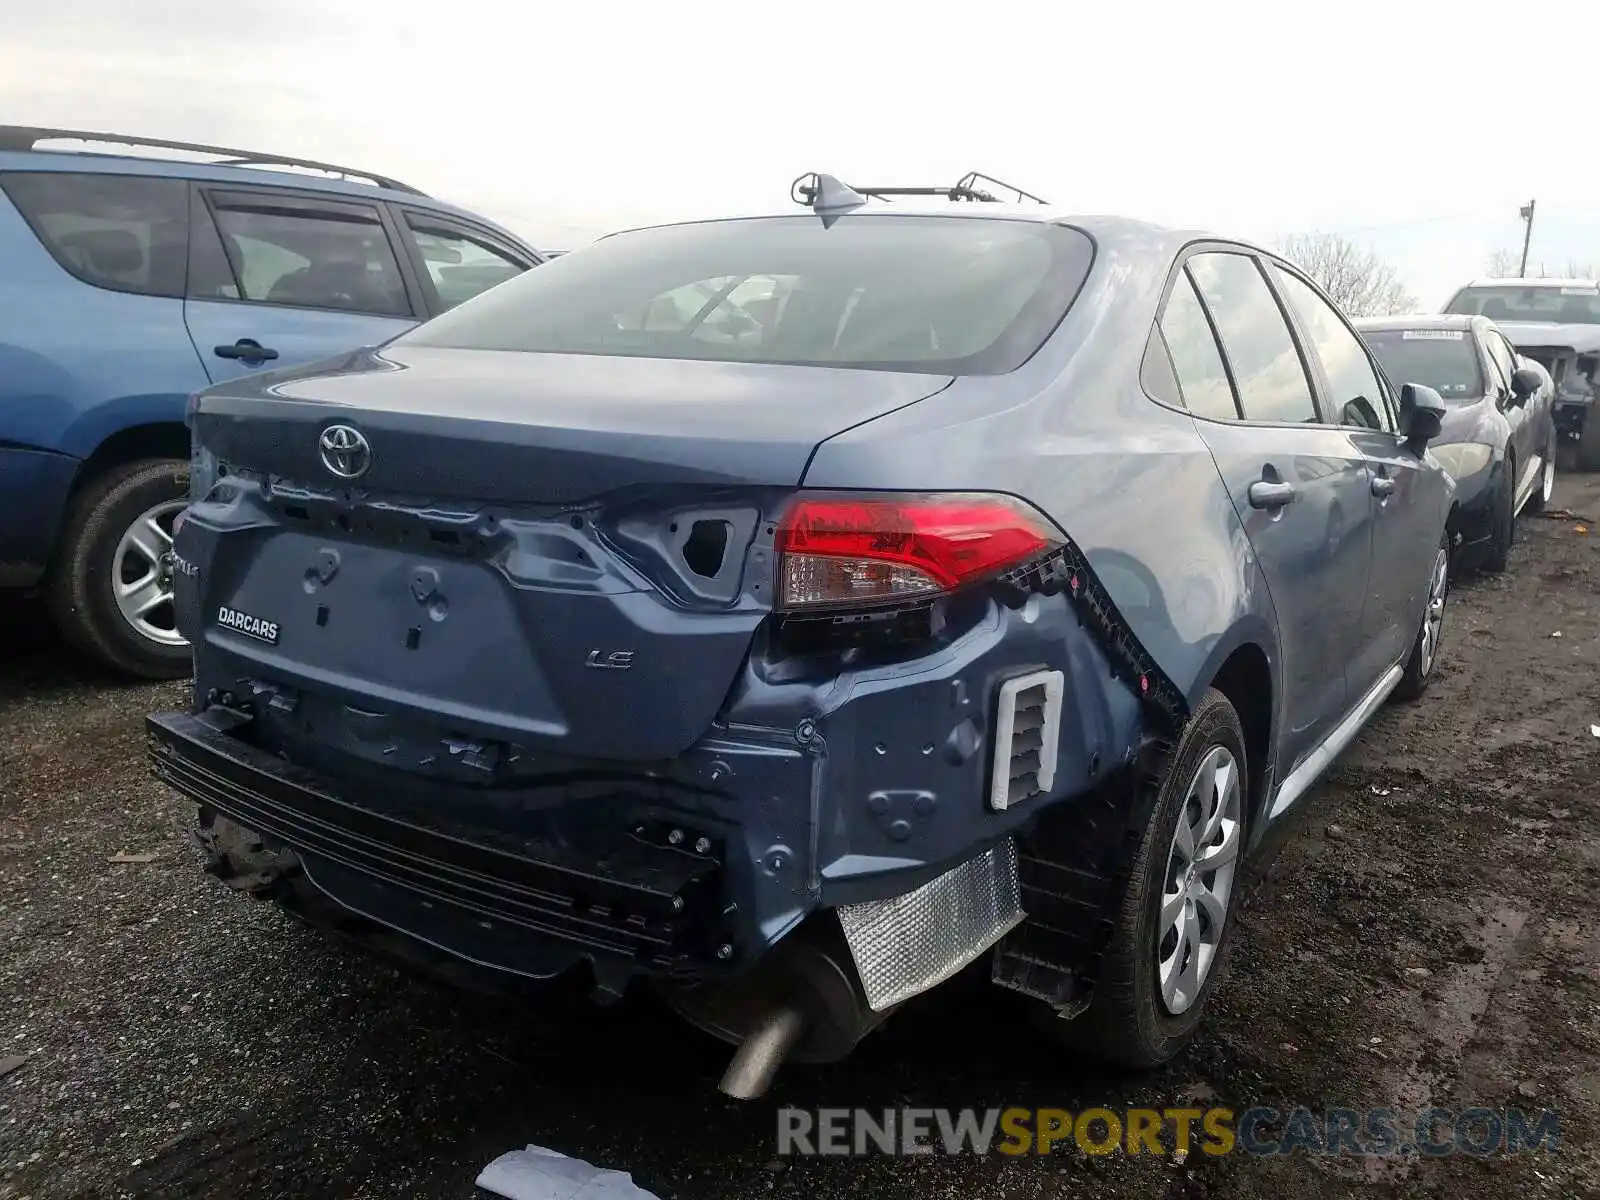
<point>1427,934</point>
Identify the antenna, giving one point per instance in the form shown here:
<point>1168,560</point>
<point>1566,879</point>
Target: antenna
<point>825,193</point>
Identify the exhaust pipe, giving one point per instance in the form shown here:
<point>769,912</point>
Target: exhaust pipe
<point>803,1003</point>
<point>756,1062</point>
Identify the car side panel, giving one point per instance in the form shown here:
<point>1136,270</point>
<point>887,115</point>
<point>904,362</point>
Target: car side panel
<point>1130,482</point>
<point>77,364</point>
<point>33,492</point>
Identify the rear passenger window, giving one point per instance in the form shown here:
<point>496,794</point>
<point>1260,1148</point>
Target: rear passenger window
<point>1355,394</point>
<point>459,266</point>
<point>310,257</point>
<point>1266,366</point>
<point>115,231</point>
<point>1196,361</point>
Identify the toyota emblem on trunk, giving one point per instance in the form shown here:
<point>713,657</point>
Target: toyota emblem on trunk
<point>345,451</point>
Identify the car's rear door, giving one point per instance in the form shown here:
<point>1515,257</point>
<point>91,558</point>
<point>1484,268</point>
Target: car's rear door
<point>1298,483</point>
<point>1408,497</point>
<point>279,277</point>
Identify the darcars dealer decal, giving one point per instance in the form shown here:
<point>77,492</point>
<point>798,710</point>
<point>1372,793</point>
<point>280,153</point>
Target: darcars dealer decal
<point>243,622</point>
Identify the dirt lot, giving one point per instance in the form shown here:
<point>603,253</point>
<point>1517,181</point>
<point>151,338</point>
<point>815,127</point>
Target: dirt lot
<point>1428,934</point>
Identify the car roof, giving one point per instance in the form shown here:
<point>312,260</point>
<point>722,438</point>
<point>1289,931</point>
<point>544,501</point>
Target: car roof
<point>1545,282</point>
<point>1108,230</point>
<point>273,171</point>
<point>1423,321</point>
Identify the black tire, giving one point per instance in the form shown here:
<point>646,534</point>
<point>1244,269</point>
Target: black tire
<point>1587,456</point>
<point>1419,668</point>
<point>80,593</point>
<point>1503,523</point>
<point>1547,470</point>
<point>1127,1022</point>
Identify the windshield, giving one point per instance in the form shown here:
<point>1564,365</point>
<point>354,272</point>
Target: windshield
<point>1547,304</point>
<point>949,295</point>
<point>1444,359</point>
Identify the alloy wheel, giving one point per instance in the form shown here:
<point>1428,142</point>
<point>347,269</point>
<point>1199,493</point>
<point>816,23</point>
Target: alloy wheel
<point>141,575</point>
<point>1201,866</point>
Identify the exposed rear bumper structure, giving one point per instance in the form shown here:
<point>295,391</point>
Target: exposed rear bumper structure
<point>534,911</point>
<point>651,903</point>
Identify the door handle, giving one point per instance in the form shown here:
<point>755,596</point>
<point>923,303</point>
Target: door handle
<point>246,349</point>
<point>1382,485</point>
<point>1266,494</point>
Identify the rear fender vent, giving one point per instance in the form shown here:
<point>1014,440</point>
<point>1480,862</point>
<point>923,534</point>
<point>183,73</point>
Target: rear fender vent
<point>1027,731</point>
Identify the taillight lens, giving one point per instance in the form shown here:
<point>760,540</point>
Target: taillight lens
<point>850,550</point>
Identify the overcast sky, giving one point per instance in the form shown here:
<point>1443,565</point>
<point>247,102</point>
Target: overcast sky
<point>1419,129</point>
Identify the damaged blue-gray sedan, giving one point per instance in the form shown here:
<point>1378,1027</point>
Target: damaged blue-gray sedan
<point>792,611</point>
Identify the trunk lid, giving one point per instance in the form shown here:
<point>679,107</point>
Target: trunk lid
<point>499,426</point>
<point>557,554</point>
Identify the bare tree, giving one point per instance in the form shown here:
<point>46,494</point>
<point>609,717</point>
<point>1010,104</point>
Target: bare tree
<point>1504,264</point>
<point>1358,280</point>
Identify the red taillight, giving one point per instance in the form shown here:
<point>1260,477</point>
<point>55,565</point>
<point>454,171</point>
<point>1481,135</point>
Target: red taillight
<point>840,550</point>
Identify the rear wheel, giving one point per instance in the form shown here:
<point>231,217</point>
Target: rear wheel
<point>1425,650</point>
<point>1168,940</point>
<point>111,590</point>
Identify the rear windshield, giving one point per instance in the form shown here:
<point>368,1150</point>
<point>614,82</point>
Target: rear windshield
<point>1548,304</point>
<point>951,295</point>
<point>1444,359</point>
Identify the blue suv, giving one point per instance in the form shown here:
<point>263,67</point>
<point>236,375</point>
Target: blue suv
<point>130,283</point>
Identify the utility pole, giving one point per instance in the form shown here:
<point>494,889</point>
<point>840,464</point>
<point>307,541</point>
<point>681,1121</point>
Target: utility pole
<point>1527,236</point>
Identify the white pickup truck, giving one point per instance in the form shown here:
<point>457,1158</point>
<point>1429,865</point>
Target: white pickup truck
<point>1556,323</point>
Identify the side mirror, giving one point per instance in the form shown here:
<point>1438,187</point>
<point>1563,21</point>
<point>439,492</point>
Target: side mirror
<point>1422,411</point>
<point>1525,382</point>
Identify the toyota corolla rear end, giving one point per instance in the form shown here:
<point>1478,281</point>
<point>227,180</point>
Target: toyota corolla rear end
<point>522,636</point>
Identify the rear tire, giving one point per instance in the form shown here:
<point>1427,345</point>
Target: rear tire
<point>1131,1020</point>
<point>1503,526</point>
<point>1424,658</point>
<point>111,540</point>
<point>1588,451</point>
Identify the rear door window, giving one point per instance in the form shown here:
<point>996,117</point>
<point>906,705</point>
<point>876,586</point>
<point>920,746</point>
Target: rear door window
<point>1267,370</point>
<point>949,295</point>
<point>459,264</point>
<point>309,254</point>
<point>1196,361</point>
<point>122,232</point>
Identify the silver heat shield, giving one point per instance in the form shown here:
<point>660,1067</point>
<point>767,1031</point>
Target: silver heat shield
<point>907,944</point>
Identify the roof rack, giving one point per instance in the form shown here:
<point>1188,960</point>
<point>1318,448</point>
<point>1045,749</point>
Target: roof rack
<point>25,137</point>
<point>815,190</point>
